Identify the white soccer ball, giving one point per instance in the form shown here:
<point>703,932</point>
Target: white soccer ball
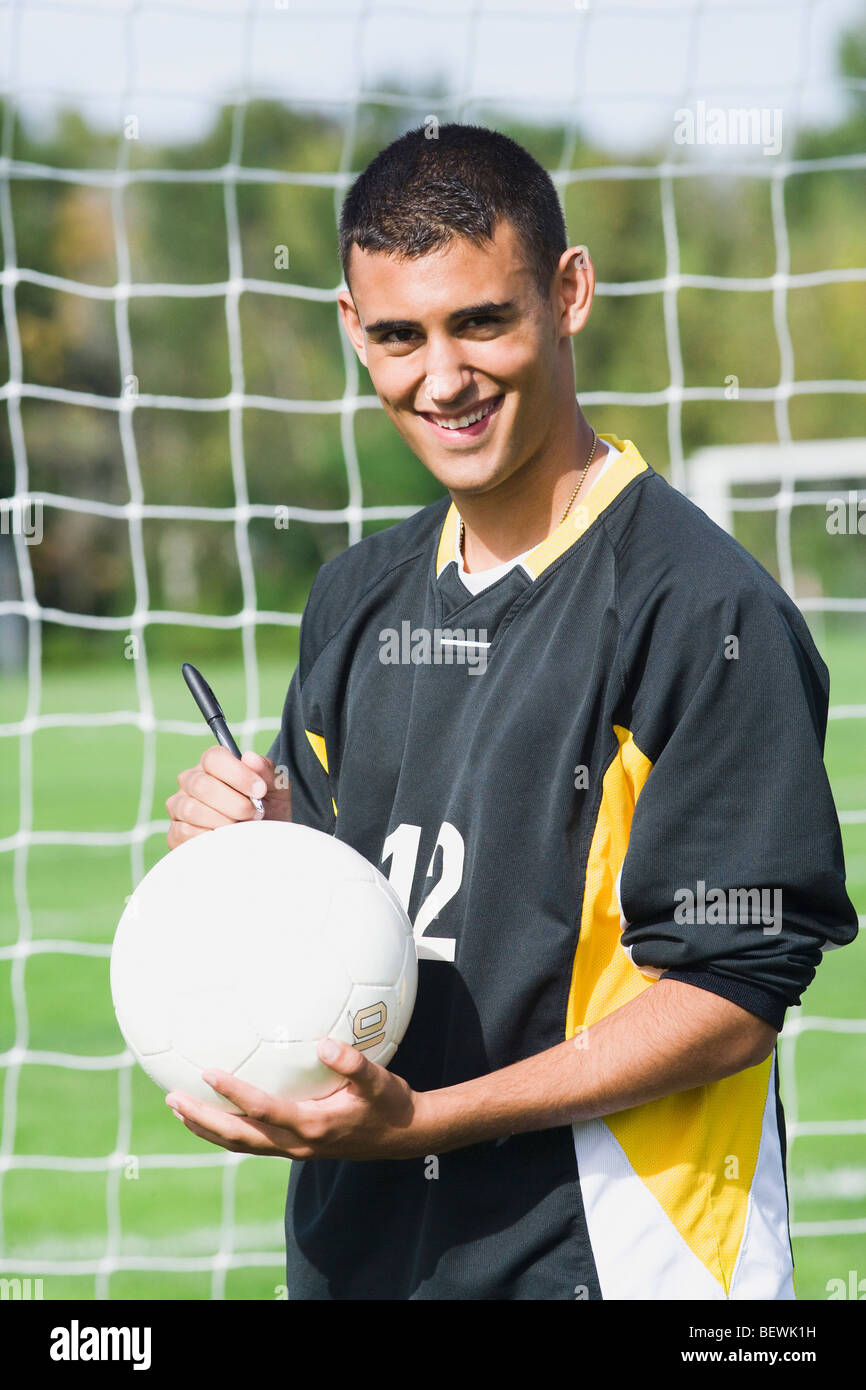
<point>245,945</point>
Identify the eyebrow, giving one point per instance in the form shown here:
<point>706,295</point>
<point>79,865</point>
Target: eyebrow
<point>471,311</point>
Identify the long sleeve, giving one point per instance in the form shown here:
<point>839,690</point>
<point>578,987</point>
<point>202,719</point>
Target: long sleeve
<point>734,877</point>
<point>300,746</point>
<point>293,750</point>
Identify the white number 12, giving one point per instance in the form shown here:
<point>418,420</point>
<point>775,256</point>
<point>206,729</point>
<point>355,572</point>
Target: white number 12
<point>401,847</point>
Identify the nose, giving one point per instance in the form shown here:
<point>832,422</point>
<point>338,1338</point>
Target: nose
<point>446,376</point>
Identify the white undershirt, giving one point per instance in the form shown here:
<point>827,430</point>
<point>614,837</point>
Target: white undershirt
<point>482,579</point>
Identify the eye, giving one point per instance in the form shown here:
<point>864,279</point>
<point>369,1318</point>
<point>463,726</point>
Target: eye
<point>484,325</point>
<point>399,335</point>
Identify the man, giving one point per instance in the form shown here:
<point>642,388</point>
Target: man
<point>581,730</point>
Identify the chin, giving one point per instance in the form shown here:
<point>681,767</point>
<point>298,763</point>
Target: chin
<point>466,479</point>
<point>465,472</point>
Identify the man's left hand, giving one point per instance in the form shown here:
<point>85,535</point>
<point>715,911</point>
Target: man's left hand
<point>374,1116</point>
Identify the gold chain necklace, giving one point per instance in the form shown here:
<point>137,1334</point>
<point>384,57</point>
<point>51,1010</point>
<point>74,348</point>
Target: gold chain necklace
<point>570,500</point>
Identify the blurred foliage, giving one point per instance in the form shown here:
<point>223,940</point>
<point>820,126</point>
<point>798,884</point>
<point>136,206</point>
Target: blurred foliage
<point>180,233</point>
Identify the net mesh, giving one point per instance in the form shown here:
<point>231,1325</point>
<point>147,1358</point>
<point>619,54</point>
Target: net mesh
<point>19,734</point>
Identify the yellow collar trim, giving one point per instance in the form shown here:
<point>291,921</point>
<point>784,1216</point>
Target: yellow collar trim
<point>620,473</point>
<point>447,539</point>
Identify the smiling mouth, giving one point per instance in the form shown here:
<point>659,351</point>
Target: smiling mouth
<point>468,425</point>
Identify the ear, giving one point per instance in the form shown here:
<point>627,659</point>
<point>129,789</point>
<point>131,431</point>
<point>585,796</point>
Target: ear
<point>574,287</point>
<point>352,324</point>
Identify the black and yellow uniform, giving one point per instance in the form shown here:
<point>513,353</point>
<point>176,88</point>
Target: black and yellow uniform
<point>605,766</point>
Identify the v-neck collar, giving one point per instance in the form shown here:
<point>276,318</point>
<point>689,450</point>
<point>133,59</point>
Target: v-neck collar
<point>629,465</point>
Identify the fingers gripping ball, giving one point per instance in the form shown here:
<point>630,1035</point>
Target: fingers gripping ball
<point>244,946</point>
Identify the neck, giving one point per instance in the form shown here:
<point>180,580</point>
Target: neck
<point>522,511</point>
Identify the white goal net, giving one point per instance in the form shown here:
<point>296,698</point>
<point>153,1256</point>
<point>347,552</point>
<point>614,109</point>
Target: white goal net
<point>780,476</point>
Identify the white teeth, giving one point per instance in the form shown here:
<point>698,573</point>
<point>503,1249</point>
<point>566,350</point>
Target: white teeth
<point>466,419</point>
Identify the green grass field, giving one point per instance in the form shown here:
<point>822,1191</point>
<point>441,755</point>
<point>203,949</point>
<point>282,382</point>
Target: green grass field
<point>59,1221</point>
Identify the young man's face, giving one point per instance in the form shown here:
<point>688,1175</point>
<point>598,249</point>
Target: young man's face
<point>464,332</point>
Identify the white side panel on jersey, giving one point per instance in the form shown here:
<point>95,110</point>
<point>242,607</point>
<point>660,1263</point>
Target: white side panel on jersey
<point>640,1254</point>
<point>764,1268</point>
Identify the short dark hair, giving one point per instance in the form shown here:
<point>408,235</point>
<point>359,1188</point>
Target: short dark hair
<point>426,188</point>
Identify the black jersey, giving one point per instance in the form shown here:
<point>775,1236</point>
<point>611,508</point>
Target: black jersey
<point>604,767</point>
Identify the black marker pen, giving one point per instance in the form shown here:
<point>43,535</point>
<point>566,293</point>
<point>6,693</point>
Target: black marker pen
<point>213,715</point>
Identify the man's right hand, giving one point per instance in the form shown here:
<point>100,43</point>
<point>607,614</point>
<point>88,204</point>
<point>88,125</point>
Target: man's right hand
<point>217,792</point>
